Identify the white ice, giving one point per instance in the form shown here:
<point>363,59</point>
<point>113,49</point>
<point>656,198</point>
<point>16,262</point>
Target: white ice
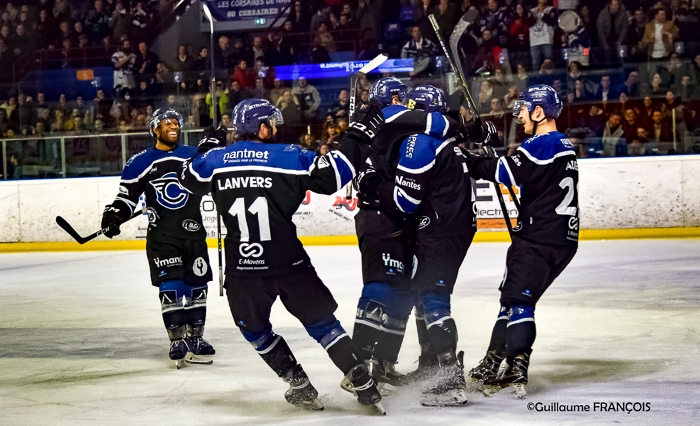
<point>82,343</point>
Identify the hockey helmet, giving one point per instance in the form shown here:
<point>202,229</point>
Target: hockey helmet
<point>428,98</point>
<point>248,115</point>
<point>542,95</point>
<point>385,88</point>
<point>161,114</point>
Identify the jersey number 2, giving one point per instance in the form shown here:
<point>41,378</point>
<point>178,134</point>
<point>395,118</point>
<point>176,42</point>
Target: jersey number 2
<point>564,207</point>
<point>259,207</point>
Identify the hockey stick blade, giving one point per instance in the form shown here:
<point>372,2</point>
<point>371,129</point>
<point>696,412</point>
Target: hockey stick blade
<point>374,63</point>
<point>74,234</point>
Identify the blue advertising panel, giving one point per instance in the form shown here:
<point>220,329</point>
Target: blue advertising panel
<point>339,69</point>
<point>237,10</point>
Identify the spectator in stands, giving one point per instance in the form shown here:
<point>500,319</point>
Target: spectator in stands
<point>331,134</point>
<point>483,99</point>
<point>102,104</point>
<point>580,93</point>
<point>299,17</point>
<point>58,124</point>
<point>661,130</point>
<point>120,22</point>
<point>235,94</point>
<point>613,139</point>
<point>595,120</point>
<point>325,38</point>
<point>123,64</point>
<point>146,63</point>
<point>288,42</point>
<point>221,58</point>
<point>165,80</point>
<point>421,50</point>
<point>687,91</point>
<point>605,93</point>
<point>519,36</point>
<point>612,28</point>
<point>277,91</point>
<point>243,76</point>
<point>542,32</point>
<point>62,10</point>
<point>259,90</point>
<point>446,16</point>
<point>44,29</point>
<point>321,16</point>
<point>631,86</point>
<point>21,41</point>
<point>546,74</point>
<point>368,16</point>
<point>636,50</point>
<point>484,59</point>
<point>291,113</point>
<point>141,20</point>
<point>68,56</point>
<point>309,100</point>
<point>499,118</point>
<point>656,87</point>
<point>97,22</point>
<point>183,62</point>
<point>307,142</point>
<point>202,69</point>
<point>257,51</point>
<point>630,123</point>
<point>672,71</point>
<point>341,107</point>
<point>659,36</point>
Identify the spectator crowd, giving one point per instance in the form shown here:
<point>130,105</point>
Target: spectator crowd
<point>628,71</point>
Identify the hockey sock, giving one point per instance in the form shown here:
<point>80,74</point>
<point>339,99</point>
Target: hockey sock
<point>423,339</point>
<point>380,322</point>
<point>273,349</point>
<point>442,329</point>
<point>172,306</point>
<point>340,347</point>
<point>521,331</point>
<point>498,335</point>
<point>196,310</point>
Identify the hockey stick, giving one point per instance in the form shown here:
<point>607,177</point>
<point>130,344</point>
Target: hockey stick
<point>354,80</point>
<point>82,240</point>
<point>463,25</point>
<point>220,253</point>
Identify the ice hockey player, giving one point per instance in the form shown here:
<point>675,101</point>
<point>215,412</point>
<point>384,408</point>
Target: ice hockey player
<point>260,185</point>
<point>386,237</point>
<point>432,183</point>
<point>176,240</point>
<point>544,239</point>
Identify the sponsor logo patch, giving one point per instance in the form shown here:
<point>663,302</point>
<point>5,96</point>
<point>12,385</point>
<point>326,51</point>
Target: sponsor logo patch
<point>191,225</point>
<point>423,222</point>
<point>250,250</point>
<point>199,267</point>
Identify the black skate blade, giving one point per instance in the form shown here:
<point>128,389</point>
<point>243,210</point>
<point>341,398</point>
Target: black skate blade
<point>312,405</point>
<point>179,363</point>
<point>379,408</point>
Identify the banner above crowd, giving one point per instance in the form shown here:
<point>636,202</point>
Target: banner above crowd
<point>238,10</point>
<point>339,69</point>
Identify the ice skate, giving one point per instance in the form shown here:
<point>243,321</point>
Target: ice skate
<point>386,376</point>
<point>301,392</point>
<point>487,369</point>
<point>360,383</point>
<point>178,351</point>
<point>450,390</point>
<point>514,376</point>
<point>199,351</point>
<point>427,368</point>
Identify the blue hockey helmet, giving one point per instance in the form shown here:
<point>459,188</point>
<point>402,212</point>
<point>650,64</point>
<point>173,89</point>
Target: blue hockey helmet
<point>249,114</point>
<point>161,114</point>
<point>428,98</point>
<point>385,88</point>
<point>542,95</point>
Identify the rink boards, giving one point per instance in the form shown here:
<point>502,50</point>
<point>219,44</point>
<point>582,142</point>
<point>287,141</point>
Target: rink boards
<point>619,198</point>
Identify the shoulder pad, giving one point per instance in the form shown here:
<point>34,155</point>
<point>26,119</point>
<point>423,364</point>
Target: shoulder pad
<point>544,148</point>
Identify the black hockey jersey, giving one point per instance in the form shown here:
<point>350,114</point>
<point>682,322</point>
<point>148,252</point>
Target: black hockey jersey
<point>545,169</point>
<point>257,187</point>
<point>172,210</point>
<point>399,123</point>
<point>432,181</point>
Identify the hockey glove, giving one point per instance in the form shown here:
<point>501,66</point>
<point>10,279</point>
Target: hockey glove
<point>366,182</point>
<point>491,134</point>
<point>212,138</point>
<point>112,217</point>
<point>367,121</point>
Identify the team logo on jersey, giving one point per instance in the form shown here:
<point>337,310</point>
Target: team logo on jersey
<point>152,215</point>
<point>518,227</point>
<point>573,223</point>
<point>191,225</point>
<point>169,193</point>
<point>199,267</point>
<point>250,250</point>
<point>423,222</point>
<point>342,203</point>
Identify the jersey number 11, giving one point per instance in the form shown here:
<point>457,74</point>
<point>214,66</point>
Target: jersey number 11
<point>259,208</point>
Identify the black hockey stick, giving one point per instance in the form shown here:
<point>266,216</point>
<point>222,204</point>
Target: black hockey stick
<point>221,254</point>
<point>462,26</point>
<point>354,81</point>
<point>82,240</point>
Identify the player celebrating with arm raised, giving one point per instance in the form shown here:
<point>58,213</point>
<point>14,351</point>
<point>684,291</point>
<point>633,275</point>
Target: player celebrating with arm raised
<point>176,241</point>
<point>386,236</point>
<point>432,183</point>
<point>544,240</point>
<point>260,185</point>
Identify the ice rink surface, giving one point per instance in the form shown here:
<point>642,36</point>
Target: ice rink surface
<point>82,343</point>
